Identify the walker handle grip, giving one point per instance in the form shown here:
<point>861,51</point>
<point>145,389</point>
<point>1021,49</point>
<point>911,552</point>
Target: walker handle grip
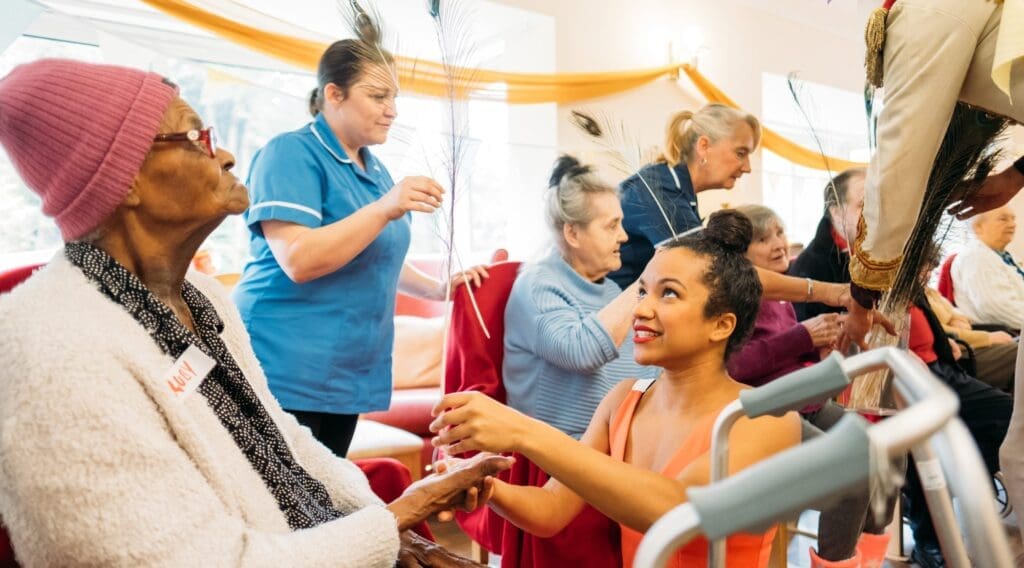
<point>811,475</point>
<point>796,390</point>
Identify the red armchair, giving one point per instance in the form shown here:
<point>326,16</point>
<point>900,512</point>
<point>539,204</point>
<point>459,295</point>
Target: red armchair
<point>945,284</point>
<point>475,363</point>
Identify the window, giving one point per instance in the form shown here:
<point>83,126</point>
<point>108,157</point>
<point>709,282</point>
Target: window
<point>499,204</point>
<point>836,119</point>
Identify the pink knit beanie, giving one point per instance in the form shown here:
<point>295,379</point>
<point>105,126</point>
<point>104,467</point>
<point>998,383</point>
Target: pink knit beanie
<point>78,134</point>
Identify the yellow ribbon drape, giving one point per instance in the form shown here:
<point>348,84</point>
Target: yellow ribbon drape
<point>429,78</point>
<point>770,139</point>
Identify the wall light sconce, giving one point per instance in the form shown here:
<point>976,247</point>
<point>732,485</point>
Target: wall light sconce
<point>690,46</point>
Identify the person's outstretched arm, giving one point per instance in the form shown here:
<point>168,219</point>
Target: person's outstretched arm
<point>631,495</point>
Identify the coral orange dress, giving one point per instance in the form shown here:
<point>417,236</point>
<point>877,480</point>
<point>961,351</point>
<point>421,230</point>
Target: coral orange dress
<point>742,550</point>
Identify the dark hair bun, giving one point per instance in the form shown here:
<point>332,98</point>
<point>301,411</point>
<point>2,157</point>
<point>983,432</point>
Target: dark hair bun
<point>730,230</point>
<point>314,102</point>
<point>566,166</point>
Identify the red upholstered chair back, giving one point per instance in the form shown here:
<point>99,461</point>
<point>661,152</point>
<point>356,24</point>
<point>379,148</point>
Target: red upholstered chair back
<point>946,279</point>
<point>474,363</point>
<point>11,278</point>
<point>8,280</point>
<point>410,306</point>
<point>473,360</point>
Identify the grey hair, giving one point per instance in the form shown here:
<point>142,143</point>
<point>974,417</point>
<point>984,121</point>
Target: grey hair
<point>714,121</point>
<point>761,218</point>
<point>569,195</point>
<point>837,188</point>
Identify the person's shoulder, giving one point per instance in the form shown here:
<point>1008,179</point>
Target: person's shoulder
<point>288,144</point>
<point>612,401</point>
<point>543,284</point>
<point>649,173</point>
<point>43,299</point>
<point>56,331</point>
<point>971,256</point>
<point>542,271</point>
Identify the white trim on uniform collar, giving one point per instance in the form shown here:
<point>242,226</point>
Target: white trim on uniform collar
<point>679,186</point>
<point>675,176</point>
<point>287,205</point>
<point>326,146</point>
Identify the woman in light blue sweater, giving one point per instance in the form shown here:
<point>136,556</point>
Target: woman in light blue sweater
<point>567,340</point>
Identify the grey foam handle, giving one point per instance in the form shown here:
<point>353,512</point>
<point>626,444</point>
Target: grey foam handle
<point>796,390</point>
<point>814,474</point>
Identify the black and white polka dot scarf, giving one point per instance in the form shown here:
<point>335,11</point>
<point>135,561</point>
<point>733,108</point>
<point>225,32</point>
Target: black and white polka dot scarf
<point>303,500</point>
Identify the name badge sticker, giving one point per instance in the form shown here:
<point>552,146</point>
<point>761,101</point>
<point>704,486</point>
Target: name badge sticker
<point>186,374</point>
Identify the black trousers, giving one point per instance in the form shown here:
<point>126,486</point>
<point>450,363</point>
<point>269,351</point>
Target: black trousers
<point>332,430</point>
<point>985,410</point>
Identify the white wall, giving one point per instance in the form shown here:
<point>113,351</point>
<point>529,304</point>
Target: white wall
<point>823,42</point>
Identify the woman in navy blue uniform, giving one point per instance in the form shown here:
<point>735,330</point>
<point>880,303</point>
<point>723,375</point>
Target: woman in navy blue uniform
<point>709,149</point>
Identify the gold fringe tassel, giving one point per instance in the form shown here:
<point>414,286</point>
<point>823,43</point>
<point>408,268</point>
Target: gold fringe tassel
<point>874,37</point>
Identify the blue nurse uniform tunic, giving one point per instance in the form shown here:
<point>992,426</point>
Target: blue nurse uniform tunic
<point>325,345</point>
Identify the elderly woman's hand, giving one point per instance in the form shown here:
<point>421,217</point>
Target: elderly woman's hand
<point>859,322</point>
<point>417,552</point>
<point>825,329</point>
<point>473,276</point>
<point>459,486</point>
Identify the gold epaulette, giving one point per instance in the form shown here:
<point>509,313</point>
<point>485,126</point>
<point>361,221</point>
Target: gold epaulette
<point>874,38</point>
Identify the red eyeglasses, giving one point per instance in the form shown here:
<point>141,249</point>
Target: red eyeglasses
<point>205,138</point>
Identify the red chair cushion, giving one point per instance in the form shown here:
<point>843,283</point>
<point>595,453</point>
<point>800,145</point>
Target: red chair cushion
<point>15,276</point>
<point>410,410</point>
<point>946,279</point>
<point>474,361</point>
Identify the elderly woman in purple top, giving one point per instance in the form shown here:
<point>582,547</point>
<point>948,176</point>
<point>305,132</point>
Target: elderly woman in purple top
<point>779,345</point>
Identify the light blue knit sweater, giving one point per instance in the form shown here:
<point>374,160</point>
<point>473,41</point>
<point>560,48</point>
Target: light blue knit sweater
<point>559,360</point>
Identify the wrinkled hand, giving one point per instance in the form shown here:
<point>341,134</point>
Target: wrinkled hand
<point>418,552</point>
<point>998,337</point>
<point>475,276</point>
<point>468,421</point>
<point>859,322</point>
<point>825,329</point>
<point>474,499</point>
<point>416,193</point>
<point>458,487</point>
<point>997,190</point>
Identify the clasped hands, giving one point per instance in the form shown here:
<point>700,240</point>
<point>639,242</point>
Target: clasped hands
<point>464,485</point>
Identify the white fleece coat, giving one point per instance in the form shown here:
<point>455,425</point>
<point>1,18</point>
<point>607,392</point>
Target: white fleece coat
<point>100,464</point>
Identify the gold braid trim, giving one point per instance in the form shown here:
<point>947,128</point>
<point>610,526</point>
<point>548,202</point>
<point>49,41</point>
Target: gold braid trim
<point>874,37</point>
<point>868,273</point>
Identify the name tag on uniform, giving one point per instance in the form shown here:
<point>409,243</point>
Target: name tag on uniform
<point>185,375</point>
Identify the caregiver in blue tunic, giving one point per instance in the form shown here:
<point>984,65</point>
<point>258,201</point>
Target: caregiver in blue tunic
<point>329,231</point>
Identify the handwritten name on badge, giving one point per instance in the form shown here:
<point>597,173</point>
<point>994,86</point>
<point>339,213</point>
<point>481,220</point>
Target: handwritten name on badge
<point>186,374</point>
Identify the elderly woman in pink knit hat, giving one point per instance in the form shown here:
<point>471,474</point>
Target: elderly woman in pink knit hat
<point>136,427</point>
